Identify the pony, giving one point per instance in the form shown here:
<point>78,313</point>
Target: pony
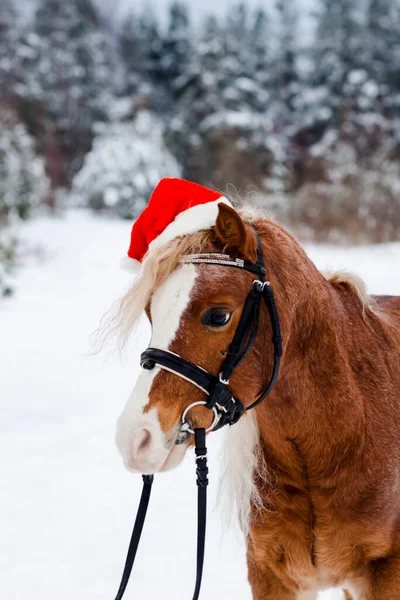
<point>314,470</point>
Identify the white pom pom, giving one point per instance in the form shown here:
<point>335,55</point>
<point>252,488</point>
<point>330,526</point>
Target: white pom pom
<point>130,265</point>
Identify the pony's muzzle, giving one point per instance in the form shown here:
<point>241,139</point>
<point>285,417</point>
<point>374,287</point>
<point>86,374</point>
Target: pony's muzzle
<point>145,448</point>
<point>141,449</point>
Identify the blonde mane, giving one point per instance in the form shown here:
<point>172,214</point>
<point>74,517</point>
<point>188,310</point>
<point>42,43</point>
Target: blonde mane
<point>358,286</point>
<point>243,461</point>
<point>354,282</point>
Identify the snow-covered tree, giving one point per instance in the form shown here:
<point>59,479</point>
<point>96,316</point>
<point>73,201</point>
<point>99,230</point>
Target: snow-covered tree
<point>74,79</point>
<point>237,39</point>
<point>8,44</point>
<point>222,127</point>
<point>259,48</point>
<point>199,95</point>
<point>131,52</point>
<point>124,166</point>
<point>285,71</point>
<point>280,76</point>
<point>22,187</point>
<point>155,87</point>
<point>74,68</point>
<point>383,59</point>
<point>340,96</point>
<point>154,61</point>
<point>22,178</point>
<point>340,60</point>
<point>382,31</point>
<point>176,45</point>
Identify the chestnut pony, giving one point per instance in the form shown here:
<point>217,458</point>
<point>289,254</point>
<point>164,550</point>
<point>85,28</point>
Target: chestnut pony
<point>315,468</point>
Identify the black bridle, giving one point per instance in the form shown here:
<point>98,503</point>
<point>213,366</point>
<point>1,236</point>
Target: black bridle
<point>226,408</point>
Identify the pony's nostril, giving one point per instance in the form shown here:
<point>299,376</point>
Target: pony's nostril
<point>144,441</point>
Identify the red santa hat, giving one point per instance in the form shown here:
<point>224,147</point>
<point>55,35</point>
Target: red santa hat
<point>176,208</point>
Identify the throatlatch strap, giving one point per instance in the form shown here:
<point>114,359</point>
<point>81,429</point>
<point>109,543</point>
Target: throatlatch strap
<point>136,533</point>
<point>202,483</point>
<point>276,340</point>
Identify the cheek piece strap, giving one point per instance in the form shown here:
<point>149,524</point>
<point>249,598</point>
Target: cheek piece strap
<point>226,409</point>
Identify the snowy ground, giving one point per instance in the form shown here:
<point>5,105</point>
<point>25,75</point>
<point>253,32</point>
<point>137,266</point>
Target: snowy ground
<point>66,504</point>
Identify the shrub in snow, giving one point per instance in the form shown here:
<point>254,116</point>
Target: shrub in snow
<point>351,197</point>
<point>126,163</point>
<point>7,261</point>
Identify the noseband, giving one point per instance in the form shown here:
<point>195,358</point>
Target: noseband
<point>227,410</point>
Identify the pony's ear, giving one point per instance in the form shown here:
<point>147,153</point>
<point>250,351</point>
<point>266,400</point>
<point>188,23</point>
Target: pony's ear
<point>234,234</point>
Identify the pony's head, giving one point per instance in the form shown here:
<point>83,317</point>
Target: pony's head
<point>194,311</point>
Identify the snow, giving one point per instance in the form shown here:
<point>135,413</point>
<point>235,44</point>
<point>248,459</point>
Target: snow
<point>357,76</point>
<point>234,119</point>
<point>66,503</point>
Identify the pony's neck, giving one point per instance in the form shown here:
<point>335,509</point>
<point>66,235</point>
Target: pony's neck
<point>311,412</point>
<point>314,391</point>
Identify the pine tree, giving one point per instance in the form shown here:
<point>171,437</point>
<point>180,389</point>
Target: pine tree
<point>237,38</point>
<point>209,75</point>
<point>380,26</point>
<point>339,56</point>
<point>155,62</point>
<point>259,48</point>
<point>8,45</point>
<point>383,51</point>
<point>286,77</point>
<point>74,79</point>
<point>394,80</point>
<point>176,46</point>
<point>222,125</point>
<point>347,137</point>
<point>131,46</point>
<point>199,95</point>
<point>155,88</point>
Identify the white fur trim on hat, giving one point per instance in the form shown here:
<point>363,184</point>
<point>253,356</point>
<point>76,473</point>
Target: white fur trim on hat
<point>130,265</point>
<point>195,218</point>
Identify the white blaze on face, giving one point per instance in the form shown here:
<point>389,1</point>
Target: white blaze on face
<point>139,437</point>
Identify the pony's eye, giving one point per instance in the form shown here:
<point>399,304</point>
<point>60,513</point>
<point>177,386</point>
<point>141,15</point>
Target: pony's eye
<point>216,317</point>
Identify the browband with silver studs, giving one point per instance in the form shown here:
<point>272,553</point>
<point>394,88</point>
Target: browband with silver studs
<point>214,258</point>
